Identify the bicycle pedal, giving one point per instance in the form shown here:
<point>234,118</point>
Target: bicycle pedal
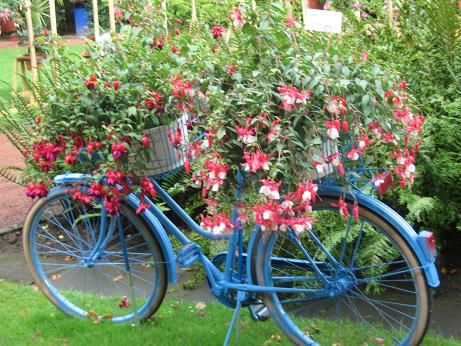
<point>259,312</point>
<point>188,254</point>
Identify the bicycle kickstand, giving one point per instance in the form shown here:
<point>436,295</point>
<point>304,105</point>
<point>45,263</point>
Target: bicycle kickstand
<point>240,297</point>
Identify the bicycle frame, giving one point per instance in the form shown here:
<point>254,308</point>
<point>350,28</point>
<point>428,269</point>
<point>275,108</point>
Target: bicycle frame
<point>223,281</point>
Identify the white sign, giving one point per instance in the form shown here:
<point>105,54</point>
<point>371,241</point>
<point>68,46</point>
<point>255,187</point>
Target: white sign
<point>325,21</point>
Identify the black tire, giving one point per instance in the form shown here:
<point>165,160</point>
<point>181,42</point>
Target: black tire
<point>55,250</point>
<point>392,282</point>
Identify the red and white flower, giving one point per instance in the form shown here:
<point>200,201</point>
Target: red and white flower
<point>333,129</point>
<point>237,18</point>
<point>256,161</point>
<point>270,189</point>
<point>246,135</point>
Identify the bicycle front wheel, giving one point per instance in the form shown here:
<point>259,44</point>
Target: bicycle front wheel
<point>358,282</point>
<point>90,271</point>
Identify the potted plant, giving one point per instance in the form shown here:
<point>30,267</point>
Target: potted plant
<point>41,43</point>
<point>286,108</point>
<point>263,105</point>
<point>107,117</point>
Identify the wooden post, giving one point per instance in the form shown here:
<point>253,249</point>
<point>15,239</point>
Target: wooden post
<point>253,4</point>
<point>165,22</point>
<point>112,16</point>
<point>54,27</point>
<point>194,11</point>
<point>30,34</point>
<point>95,20</point>
<point>305,6</point>
<point>390,13</point>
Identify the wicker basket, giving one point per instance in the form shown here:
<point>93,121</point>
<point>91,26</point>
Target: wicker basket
<point>165,158</point>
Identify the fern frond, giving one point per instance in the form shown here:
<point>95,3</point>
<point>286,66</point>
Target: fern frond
<point>13,174</point>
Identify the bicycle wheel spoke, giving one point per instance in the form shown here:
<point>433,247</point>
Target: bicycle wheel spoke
<point>83,267</point>
<point>365,278</point>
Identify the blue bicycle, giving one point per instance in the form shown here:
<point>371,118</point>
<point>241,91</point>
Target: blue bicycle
<point>371,274</point>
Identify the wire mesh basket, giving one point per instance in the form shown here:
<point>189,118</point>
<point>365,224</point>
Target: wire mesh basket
<point>167,152</point>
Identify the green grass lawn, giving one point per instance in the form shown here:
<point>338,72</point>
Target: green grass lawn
<point>27,318</point>
<point>7,56</point>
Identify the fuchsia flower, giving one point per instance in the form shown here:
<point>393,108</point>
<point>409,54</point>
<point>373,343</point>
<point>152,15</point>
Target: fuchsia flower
<point>300,224</point>
<point>267,216</point>
<point>270,189</point>
<point>148,188</point>
<point>383,182</point>
<point>342,206</point>
<point>337,106</point>
<point>255,162</point>
<point>96,190</point>
<point>114,177</point>
<point>364,56</point>
<point>70,159</point>
<point>145,141</point>
<point>158,44</point>
<point>5,15</point>
<point>403,85</point>
<point>275,131</point>
<point>215,175</point>
<point>90,84</point>
<point>176,140</point>
<point>216,224</point>
<point>355,211</point>
<point>389,94</point>
<point>237,18</point>
<point>195,149</point>
<point>37,190</point>
<point>290,21</point>
<point>218,31</point>
<point>116,84</point>
<point>332,129</point>
<point>118,13</point>
<point>306,193</point>
<point>154,101</point>
<point>354,154</point>
<point>364,142</point>
<point>118,149</point>
<point>290,96</point>
<point>81,197</point>
<point>180,88</point>
<point>232,69</point>
<point>112,204</point>
<point>246,135</point>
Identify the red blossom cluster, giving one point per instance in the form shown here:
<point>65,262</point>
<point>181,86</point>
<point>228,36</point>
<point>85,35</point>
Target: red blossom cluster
<point>291,96</point>
<point>37,190</point>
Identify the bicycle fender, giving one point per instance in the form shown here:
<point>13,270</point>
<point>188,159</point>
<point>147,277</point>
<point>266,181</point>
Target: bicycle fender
<point>393,218</point>
<point>152,222</point>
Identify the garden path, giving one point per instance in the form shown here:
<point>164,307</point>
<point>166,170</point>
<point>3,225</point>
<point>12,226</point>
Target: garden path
<point>13,202</point>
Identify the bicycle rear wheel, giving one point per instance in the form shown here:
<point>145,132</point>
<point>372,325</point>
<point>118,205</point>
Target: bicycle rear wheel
<point>84,279</point>
<point>373,289</point>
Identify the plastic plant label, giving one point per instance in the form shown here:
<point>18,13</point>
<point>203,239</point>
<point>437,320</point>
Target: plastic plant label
<point>324,21</point>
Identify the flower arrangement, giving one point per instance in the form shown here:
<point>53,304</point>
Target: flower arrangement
<point>264,104</point>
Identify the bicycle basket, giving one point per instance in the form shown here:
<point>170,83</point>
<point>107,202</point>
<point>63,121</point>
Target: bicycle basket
<point>167,152</point>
